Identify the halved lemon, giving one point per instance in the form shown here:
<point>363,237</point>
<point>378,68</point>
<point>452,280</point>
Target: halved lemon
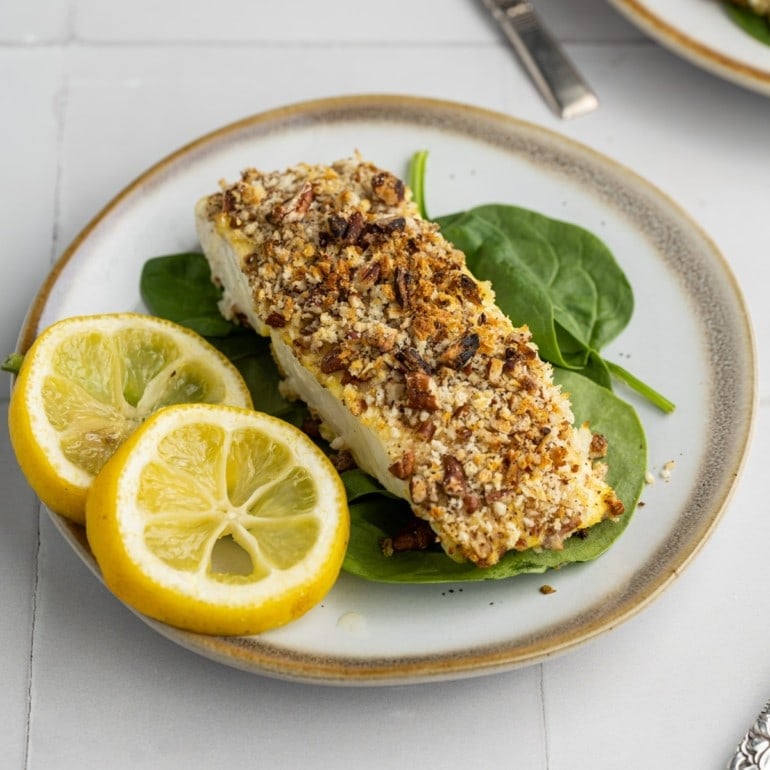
<point>218,520</point>
<point>87,382</point>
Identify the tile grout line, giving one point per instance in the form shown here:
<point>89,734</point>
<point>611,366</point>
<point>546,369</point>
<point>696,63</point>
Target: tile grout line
<point>543,719</point>
<point>60,103</point>
<point>70,40</point>
<point>61,99</point>
<point>30,660</point>
<point>71,23</point>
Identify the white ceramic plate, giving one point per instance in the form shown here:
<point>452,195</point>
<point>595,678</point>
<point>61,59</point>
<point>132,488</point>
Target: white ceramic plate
<point>690,337</point>
<point>702,32</point>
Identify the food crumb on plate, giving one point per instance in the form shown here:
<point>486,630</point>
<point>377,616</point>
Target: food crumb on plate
<point>665,472</point>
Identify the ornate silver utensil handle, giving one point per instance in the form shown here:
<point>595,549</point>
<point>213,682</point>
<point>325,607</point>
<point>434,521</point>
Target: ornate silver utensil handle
<point>753,752</point>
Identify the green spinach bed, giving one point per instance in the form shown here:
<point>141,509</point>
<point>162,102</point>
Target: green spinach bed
<point>556,277</point>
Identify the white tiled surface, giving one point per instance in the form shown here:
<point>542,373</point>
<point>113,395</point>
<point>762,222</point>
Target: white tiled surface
<point>94,92</point>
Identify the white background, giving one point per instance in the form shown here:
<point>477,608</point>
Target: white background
<point>93,92</point>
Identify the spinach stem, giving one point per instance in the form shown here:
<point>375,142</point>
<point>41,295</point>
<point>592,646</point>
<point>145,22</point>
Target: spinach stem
<point>12,364</point>
<point>652,395</point>
<point>417,165</point>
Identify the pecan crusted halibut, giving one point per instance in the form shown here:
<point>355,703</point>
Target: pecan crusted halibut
<point>377,324</point>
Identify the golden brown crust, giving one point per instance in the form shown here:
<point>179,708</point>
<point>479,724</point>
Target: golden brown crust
<point>382,309</point>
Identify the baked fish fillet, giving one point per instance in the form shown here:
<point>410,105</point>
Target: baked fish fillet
<point>377,324</point>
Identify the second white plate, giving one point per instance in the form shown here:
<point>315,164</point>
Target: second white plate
<point>702,32</point>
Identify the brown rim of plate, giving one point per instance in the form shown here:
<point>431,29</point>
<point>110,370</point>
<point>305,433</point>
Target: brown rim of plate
<point>647,207</point>
<point>698,53</point>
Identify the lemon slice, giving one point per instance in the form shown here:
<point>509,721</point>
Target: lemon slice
<point>218,520</point>
<point>87,382</point>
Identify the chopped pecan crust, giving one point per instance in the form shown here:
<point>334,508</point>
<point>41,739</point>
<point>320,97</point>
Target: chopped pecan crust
<point>415,536</point>
<point>455,483</point>
<point>421,392</point>
<point>403,468</point>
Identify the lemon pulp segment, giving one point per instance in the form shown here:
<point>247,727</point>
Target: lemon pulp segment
<point>206,485</point>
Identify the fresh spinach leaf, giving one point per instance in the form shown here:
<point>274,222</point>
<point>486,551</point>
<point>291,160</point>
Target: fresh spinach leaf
<point>178,287</point>
<point>416,180</point>
<point>359,485</point>
<point>12,363</point>
<point>559,279</point>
